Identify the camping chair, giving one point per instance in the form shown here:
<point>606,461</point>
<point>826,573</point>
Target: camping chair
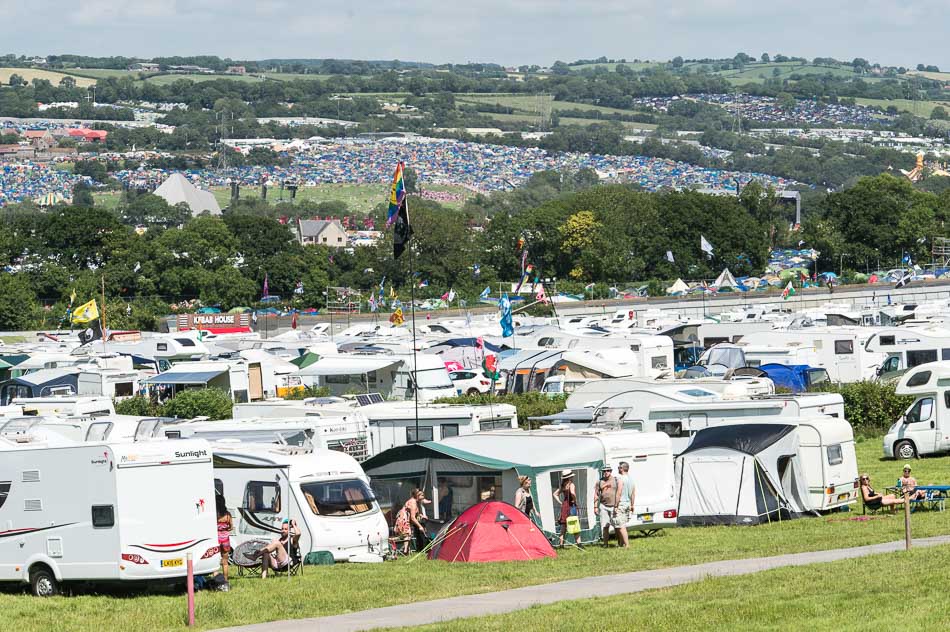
<point>244,557</point>
<point>294,565</point>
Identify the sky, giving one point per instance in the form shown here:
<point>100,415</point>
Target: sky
<point>502,31</point>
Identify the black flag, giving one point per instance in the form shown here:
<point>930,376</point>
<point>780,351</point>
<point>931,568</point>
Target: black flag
<point>904,281</point>
<point>92,332</point>
<point>402,231</point>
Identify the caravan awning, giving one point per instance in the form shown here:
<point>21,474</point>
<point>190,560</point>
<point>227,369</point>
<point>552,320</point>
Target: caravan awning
<point>182,377</point>
<point>341,365</point>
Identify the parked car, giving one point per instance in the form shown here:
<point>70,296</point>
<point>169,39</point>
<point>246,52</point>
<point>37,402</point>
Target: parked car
<point>470,382</point>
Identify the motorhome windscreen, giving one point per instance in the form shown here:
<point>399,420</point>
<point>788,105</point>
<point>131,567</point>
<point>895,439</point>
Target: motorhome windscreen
<point>432,378</point>
<point>338,498</point>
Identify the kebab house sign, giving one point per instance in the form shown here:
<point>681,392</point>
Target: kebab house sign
<point>215,323</point>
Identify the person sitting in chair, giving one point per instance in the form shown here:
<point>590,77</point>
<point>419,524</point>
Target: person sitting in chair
<point>909,486</point>
<point>277,554</point>
<point>873,500</point>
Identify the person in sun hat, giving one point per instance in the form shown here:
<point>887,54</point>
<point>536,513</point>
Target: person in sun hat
<point>566,495</point>
<point>909,486</point>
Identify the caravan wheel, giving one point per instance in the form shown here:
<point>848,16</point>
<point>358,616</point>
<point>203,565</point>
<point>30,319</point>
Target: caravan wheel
<point>43,582</point>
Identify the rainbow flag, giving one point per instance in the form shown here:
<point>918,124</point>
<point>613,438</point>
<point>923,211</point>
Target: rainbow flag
<point>397,194</point>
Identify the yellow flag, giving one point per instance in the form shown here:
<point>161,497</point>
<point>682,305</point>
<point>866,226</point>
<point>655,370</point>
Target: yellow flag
<point>396,318</point>
<point>86,313</point>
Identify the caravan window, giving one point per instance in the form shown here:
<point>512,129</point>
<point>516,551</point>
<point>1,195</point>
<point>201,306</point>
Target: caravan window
<point>887,341</point>
<point>262,497</point>
<point>921,411</point>
<point>945,354</point>
<point>494,424</point>
<point>218,487</point>
<point>124,389</point>
<point>658,362</point>
<point>452,430</point>
<point>98,431</point>
<point>919,379</point>
<point>103,516</point>
<point>338,498</point>
<point>844,347</point>
<point>916,358</point>
<point>672,428</point>
<point>424,434</point>
<point>835,454</point>
<point>546,342</point>
<point>185,342</point>
<point>161,346</point>
<point>5,490</point>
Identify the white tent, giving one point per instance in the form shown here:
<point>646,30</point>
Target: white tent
<point>678,288</point>
<point>176,189</point>
<point>741,474</point>
<point>725,281</point>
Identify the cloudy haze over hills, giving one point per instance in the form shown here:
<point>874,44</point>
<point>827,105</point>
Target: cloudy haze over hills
<point>529,31</point>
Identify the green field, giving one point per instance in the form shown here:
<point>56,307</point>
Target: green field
<point>936,76</point>
<point>346,588</point>
<point>287,76</point>
<point>359,198</point>
<point>29,74</point>
<point>167,79</point>
<point>918,108</point>
<point>525,108</point>
<point>101,73</point>
<point>759,72</point>
<point>638,66</point>
<point>859,594</point>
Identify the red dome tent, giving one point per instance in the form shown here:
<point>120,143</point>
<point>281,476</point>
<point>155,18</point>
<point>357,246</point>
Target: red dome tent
<point>491,531</point>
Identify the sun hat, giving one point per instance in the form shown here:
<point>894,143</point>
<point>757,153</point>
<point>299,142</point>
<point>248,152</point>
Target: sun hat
<point>906,468</point>
<point>567,474</point>
<point>607,467</point>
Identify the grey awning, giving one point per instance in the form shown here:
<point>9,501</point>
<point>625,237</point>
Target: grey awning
<point>183,377</point>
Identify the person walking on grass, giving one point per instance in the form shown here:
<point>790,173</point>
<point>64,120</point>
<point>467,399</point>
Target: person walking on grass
<point>606,495</point>
<point>566,496</point>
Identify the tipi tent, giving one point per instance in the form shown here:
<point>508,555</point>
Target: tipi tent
<point>491,531</point>
<point>679,288</point>
<point>176,189</point>
<point>741,474</point>
<point>727,283</point>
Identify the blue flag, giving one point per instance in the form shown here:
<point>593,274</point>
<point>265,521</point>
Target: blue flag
<point>485,293</point>
<point>507,326</point>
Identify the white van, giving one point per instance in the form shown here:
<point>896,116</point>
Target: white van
<point>924,428</point>
<point>325,491</point>
<point>96,512</point>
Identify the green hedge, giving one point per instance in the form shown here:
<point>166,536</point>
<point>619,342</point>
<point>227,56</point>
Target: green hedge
<point>212,403</point>
<point>870,407</point>
<point>528,404</point>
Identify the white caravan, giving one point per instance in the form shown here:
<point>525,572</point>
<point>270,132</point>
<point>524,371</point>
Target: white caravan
<point>95,512</point>
<point>395,376</point>
<point>829,462</point>
<point>171,347</point>
<point>71,380</point>
<point>325,491</point>
<point>924,428</point>
<point>908,347</point>
<point>232,376</point>
<point>839,350</point>
<point>390,423</point>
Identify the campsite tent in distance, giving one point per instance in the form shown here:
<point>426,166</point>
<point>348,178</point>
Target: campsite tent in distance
<point>176,189</point>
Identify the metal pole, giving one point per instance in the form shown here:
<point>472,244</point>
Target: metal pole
<point>191,591</point>
<point>104,329</point>
<point>907,538</point>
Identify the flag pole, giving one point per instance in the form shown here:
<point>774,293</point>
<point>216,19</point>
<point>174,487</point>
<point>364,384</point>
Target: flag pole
<point>104,328</point>
<point>412,312</point>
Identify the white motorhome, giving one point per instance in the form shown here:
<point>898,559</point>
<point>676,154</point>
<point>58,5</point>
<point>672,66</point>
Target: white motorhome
<point>908,347</point>
<point>325,491</point>
<point>96,512</point>
<point>924,428</point>
<point>172,347</point>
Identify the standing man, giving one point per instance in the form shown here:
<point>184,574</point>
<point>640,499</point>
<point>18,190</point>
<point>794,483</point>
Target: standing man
<point>627,493</point>
<point>605,500</point>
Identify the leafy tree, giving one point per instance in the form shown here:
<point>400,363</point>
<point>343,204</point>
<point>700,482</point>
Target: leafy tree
<point>765,58</point>
<point>82,195</point>
<point>411,178</point>
<point>17,303</point>
<point>677,62</point>
<point>577,234</point>
<point>939,113</point>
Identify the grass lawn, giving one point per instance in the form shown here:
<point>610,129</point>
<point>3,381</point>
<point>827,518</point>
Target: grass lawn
<point>360,198</point>
<point>636,66</point>
<point>844,595</point>
<point>346,588</point>
<point>29,74</point>
<point>919,108</point>
<point>107,199</point>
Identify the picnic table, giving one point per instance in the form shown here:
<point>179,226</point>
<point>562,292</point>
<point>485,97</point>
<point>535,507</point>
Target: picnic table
<point>935,500</point>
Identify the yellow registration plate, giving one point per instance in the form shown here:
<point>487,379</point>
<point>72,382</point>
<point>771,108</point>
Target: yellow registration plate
<point>842,497</point>
<point>646,517</point>
<point>172,563</point>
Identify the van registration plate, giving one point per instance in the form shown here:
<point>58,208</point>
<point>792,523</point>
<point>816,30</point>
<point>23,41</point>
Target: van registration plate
<point>646,517</point>
<point>171,563</point>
